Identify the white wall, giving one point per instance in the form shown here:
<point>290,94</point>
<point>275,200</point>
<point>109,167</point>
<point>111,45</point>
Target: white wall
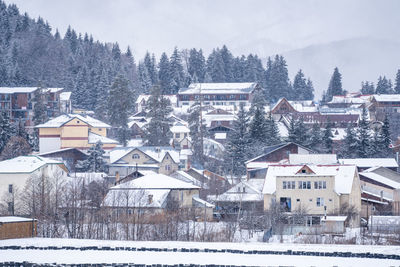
<point>47,144</point>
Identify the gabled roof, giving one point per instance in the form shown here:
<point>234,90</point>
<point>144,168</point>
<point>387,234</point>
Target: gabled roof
<point>94,138</point>
<point>155,153</point>
<point>380,179</point>
<point>25,164</point>
<point>133,198</point>
<point>65,96</point>
<point>62,150</point>
<point>253,192</point>
<point>13,90</point>
<point>218,88</point>
<point>387,98</point>
<point>343,175</point>
<point>155,181</point>
<point>63,119</point>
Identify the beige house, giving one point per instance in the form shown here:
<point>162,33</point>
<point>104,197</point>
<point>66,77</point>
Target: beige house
<point>180,131</point>
<point>14,174</point>
<point>73,130</point>
<point>314,189</point>
<point>125,160</point>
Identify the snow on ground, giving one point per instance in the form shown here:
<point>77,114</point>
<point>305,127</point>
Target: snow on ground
<point>153,257</point>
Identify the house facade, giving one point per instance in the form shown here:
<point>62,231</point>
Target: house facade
<point>316,190</point>
<point>218,94</point>
<point>382,105</point>
<point>73,131</point>
<point>125,160</point>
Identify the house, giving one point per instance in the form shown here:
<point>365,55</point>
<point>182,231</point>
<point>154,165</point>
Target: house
<point>14,174</point>
<point>125,160</point>
<point>213,183</point>
<point>73,131</point>
<point>17,227</point>
<point>245,196</point>
<point>180,131</point>
<point>153,194</point>
<point>53,101</point>
<point>65,103</point>
<point>380,192</point>
<point>366,163</point>
<point>256,167</point>
<point>69,156</point>
<point>316,190</point>
<point>382,105</point>
<point>347,101</point>
<point>218,94</point>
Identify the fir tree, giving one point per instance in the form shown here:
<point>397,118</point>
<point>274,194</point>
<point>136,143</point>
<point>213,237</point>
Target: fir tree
<point>363,136</point>
<point>120,104</point>
<point>95,161</point>
<point>164,75</point>
<point>397,82</point>
<point>39,108</point>
<point>335,85</point>
<point>6,129</point>
<point>315,139</point>
<point>238,144</point>
<point>327,138</point>
<point>272,132</point>
<point>350,143</point>
<point>197,133</point>
<point>384,86</point>
<point>197,64</point>
<point>176,71</point>
<point>277,79</point>
<point>257,127</point>
<point>367,88</point>
<point>157,131</point>
<point>381,142</point>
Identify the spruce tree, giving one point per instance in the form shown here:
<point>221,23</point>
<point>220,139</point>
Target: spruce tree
<point>157,131</point>
<point>257,127</point>
<point>335,85</point>
<point>327,138</point>
<point>363,136</point>
<point>238,147</point>
<point>384,86</point>
<point>6,129</point>
<point>299,86</point>
<point>272,132</point>
<point>39,108</point>
<point>315,139</point>
<point>397,82</point>
<point>197,64</point>
<point>382,141</point>
<point>176,71</point>
<point>350,143</point>
<point>367,88</point>
<point>198,132</point>
<point>95,161</point>
<point>120,104</point>
<point>164,74</point>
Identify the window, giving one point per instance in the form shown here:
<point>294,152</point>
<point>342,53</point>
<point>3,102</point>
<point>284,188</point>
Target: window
<point>324,184</point>
<point>308,185</point>
<point>177,135</point>
<point>167,167</point>
<point>298,200</point>
<point>10,207</point>
<point>100,129</point>
<point>320,201</point>
<point>136,156</point>
<point>244,189</point>
<point>284,185</point>
<point>303,171</point>
<point>10,188</point>
<point>77,121</point>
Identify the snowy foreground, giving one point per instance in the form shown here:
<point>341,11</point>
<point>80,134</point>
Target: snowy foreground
<point>74,256</point>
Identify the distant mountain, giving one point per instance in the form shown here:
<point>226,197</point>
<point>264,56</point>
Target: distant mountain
<point>358,59</point>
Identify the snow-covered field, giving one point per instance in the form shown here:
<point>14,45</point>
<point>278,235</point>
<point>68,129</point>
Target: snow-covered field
<point>155,257</point>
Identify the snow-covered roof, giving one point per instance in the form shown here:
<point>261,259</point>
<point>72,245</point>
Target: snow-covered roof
<point>333,218</point>
<point>303,106</point>
<point>94,138</point>
<point>140,124</point>
<point>338,134</point>
<point>13,90</point>
<point>135,142</point>
<point>89,176</point>
<point>25,164</point>
<point>202,202</point>
<point>134,198</point>
<point>218,88</point>
<point>184,176</point>
<point>387,98</point>
<point>54,89</point>
<point>61,150</point>
<point>63,119</point>
<point>381,179</point>
<point>155,181</point>
<point>283,130</point>
<point>12,219</point>
<point>172,98</point>
<point>65,96</point>
<point>179,129</point>
<point>343,175</point>
<point>371,162</point>
<point>156,153</point>
<point>384,220</point>
<point>252,192</point>
<point>313,159</point>
<point>347,100</point>
<point>220,136</point>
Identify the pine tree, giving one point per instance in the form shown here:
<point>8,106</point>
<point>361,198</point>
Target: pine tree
<point>197,64</point>
<point>335,85</point>
<point>157,131</point>
<point>95,161</point>
<point>367,88</point>
<point>238,145</point>
<point>6,129</point>
<point>215,67</point>
<point>299,86</point>
<point>272,132</point>
<point>164,75</point>
<point>39,108</point>
<point>257,127</point>
<point>315,139</point>
<point>384,86</point>
<point>120,104</point>
<point>381,142</point>
<point>350,143</point>
<point>176,71</point>
<point>197,133</point>
<point>277,79</point>
<point>144,78</point>
<point>397,82</point>
<point>363,136</point>
<point>327,138</point>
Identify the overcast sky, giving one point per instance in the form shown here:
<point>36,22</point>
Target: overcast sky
<point>263,27</point>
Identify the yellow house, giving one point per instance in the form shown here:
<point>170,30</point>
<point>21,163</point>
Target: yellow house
<point>73,130</point>
<point>313,189</point>
<point>125,160</point>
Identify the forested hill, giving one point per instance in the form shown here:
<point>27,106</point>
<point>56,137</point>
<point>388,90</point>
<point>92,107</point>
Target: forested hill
<point>30,55</point>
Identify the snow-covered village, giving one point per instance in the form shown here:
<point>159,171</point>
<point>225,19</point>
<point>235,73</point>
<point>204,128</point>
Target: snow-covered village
<point>133,148</point>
